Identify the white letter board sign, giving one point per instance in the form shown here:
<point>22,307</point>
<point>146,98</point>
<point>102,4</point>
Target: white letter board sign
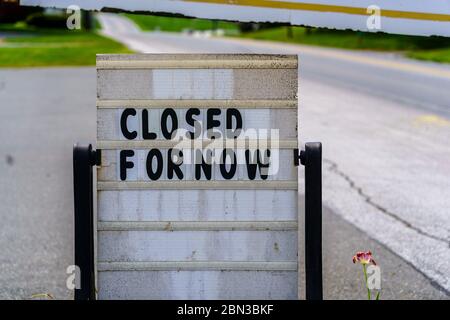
<point>197,187</point>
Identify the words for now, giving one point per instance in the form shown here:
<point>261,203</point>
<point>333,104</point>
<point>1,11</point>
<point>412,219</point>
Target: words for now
<point>255,161</point>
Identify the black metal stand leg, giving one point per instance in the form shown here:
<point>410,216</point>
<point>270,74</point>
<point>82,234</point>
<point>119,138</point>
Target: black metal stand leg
<point>83,161</point>
<point>311,158</point>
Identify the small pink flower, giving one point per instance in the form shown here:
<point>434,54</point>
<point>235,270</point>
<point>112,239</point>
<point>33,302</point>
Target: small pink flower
<point>364,258</point>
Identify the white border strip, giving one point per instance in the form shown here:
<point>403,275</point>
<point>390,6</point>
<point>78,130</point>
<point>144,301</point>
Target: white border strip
<point>197,226</point>
<point>275,63</point>
<point>198,185</point>
<point>199,266</point>
<point>211,144</point>
<point>202,104</point>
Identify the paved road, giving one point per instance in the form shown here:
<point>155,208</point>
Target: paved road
<point>385,125</point>
<point>42,113</point>
<point>385,169</point>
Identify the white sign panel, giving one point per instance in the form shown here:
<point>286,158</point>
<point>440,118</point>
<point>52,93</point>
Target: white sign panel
<point>197,188</point>
<point>415,17</point>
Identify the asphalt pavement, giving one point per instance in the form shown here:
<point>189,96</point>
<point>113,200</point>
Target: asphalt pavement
<point>43,112</point>
<point>383,120</point>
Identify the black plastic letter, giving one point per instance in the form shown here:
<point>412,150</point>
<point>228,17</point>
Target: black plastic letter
<point>233,113</point>
<point>159,165</point>
<point>124,164</point>
<point>233,166</point>
<point>146,135</point>
<point>174,166</point>
<point>173,117</point>
<point>211,123</point>
<point>130,135</point>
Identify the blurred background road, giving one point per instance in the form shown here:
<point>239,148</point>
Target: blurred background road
<point>384,122</point>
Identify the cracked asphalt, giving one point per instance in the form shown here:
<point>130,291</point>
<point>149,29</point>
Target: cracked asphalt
<point>384,122</point>
<point>333,168</point>
<point>386,171</point>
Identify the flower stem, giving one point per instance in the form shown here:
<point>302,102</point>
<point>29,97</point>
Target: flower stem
<point>365,279</point>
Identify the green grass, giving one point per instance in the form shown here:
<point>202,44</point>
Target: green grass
<point>437,55</point>
<point>151,23</point>
<point>37,47</point>
<point>425,48</point>
<point>348,39</point>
